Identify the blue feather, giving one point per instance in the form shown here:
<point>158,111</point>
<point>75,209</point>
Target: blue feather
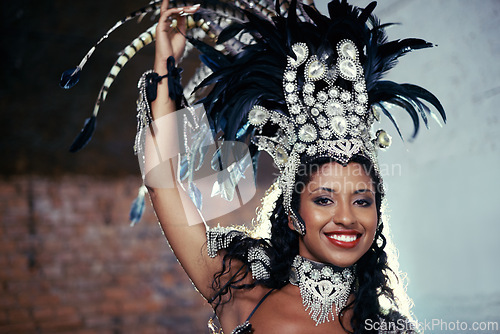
<point>195,195</point>
<point>69,78</point>
<point>138,205</point>
<point>85,135</point>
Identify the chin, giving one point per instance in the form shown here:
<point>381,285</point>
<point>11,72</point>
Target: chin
<point>343,262</point>
<point>339,259</point>
<point>343,257</point>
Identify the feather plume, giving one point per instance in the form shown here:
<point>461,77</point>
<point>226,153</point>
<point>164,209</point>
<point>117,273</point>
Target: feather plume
<point>85,135</point>
<point>211,18</point>
<point>254,75</point>
<point>126,55</point>
<point>71,77</point>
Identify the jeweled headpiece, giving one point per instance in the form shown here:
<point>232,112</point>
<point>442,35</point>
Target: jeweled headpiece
<point>325,120</point>
<point>312,88</point>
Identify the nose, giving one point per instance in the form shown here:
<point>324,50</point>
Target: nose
<point>344,215</point>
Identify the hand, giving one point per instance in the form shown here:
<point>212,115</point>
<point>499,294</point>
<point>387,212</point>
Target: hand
<point>170,40</point>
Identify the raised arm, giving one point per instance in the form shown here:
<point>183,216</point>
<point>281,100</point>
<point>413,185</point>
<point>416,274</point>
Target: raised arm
<point>170,41</point>
<point>173,207</point>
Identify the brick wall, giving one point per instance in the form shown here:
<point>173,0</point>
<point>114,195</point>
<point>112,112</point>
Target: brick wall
<point>70,262</point>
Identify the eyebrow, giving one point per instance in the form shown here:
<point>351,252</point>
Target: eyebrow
<point>323,188</point>
<point>359,191</point>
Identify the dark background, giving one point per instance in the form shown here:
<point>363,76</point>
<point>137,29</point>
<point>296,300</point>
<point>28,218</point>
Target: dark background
<point>39,120</point>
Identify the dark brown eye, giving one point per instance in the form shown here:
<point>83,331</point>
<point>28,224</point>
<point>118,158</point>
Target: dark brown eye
<point>363,202</point>
<point>322,201</point>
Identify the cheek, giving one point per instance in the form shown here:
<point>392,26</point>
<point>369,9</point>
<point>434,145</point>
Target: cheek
<point>367,217</point>
<point>313,215</point>
<point>370,222</point>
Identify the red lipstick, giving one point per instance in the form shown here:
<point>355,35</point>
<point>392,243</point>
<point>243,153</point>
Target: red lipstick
<point>344,239</point>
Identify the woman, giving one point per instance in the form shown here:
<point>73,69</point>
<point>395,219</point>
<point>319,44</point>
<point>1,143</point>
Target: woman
<point>324,268</point>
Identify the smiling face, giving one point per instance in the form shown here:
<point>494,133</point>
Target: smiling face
<point>339,209</point>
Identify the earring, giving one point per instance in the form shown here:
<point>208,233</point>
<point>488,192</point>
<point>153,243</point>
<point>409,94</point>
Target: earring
<point>298,223</point>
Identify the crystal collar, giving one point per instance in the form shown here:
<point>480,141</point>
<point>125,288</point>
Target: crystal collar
<point>321,286</point>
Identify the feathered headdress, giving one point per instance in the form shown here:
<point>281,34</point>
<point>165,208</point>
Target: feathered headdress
<point>306,88</point>
<point>290,81</point>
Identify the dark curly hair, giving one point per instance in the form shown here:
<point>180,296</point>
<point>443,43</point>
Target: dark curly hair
<point>372,269</point>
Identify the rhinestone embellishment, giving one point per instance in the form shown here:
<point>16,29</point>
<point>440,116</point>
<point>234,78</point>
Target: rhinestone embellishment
<point>359,87</point>
<point>301,52</point>
<point>322,96</point>
<point>309,88</point>
<point>295,109</point>
<point>281,157</point>
<point>345,96</point>
<point>322,122</point>
<point>316,70</point>
<point>292,98</point>
<point>301,119</point>
<point>334,108</point>
<point>258,116</point>
<point>309,100</point>
<point>326,133</point>
<point>307,133</point>
<point>290,76</point>
<point>347,49</point>
<point>348,69</point>
<point>289,87</point>
<point>334,92</point>
<point>363,98</point>
<point>359,109</point>
<point>339,125</point>
<point>324,291</point>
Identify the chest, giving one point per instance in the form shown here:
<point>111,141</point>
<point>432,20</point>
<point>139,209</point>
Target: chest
<point>292,318</point>
<point>283,312</point>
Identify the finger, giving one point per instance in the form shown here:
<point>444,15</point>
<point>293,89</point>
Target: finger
<point>182,21</point>
<point>175,17</point>
<point>192,9</point>
<point>188,9</point>
<point>181,24</point>
<point>166,17</point>
<point>164,6</point>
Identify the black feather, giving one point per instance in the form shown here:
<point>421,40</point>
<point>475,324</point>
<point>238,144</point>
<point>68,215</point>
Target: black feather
<point>367,12</point>
<point>70,77</point>
<point>254,75</point>
<point>321,21</point>
<point>424,94</point>
<point>215,56</point>
<point>393,93</point>
<point>85,135</point>
<point>229,32</point>
<point>391,118</point>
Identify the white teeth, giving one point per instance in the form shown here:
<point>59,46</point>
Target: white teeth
<point>343,237</point>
